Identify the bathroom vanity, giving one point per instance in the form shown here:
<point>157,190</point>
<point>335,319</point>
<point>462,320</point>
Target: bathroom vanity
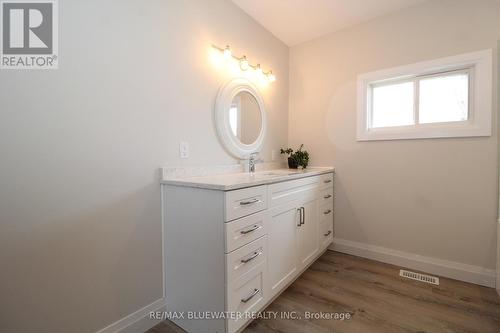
<point>234,242</point>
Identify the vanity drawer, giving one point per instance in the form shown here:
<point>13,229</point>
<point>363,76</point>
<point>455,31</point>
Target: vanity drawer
<point>325,196</point>
<point>244,230</point>
<point>326,233</point>
<point>284,192</point>
<point>326,181</point>
<point>246,295</point>
<point>245,202</point>
<point>246,258</point>
<point>326,212</point>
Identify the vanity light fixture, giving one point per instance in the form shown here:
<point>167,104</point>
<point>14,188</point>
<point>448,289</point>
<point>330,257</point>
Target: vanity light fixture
<point>270,76</point>
<point>244,64</point>
<point>258,69</point>
<point>227,52</point>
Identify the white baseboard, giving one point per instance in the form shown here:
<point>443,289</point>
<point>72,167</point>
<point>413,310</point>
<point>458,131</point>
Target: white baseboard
<point>137,322</point>
<point>450,269</point>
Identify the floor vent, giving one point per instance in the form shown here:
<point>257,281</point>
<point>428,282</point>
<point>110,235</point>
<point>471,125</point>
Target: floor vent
<point>419,277</point>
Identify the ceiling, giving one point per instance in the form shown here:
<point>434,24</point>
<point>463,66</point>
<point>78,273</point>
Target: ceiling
<point>297,21</point>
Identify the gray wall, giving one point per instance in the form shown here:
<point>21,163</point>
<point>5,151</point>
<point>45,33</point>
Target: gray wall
<point>436,197</point>
<point>80,148</point>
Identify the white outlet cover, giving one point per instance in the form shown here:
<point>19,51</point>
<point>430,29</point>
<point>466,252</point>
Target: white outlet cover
<point>184,149</point>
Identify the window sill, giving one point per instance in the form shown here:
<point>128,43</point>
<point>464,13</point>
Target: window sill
<point>430,131</point>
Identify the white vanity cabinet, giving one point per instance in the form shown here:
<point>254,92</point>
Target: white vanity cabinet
<point>233,251</point>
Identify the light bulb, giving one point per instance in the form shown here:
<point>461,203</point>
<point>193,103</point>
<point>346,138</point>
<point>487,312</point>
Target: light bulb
<point>258,69</point>
<point>244,63</point>
<point>271,77</point>
<point>227,52</point>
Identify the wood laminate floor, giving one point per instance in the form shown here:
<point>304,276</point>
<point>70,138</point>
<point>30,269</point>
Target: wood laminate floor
<point>378,301</point>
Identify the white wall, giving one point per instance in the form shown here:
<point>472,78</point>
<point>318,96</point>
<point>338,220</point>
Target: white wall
<point>435,198</point>
<point>80,148</point>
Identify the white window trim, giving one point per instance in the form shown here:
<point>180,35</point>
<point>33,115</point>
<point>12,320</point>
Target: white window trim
<point>480,99</point>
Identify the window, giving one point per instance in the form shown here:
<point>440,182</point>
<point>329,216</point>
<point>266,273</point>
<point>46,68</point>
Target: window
<point>392,105</point>
<point>444,98</point>
<point>449,97</point>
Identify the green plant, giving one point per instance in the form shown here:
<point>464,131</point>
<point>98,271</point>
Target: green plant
<point>300,157</point>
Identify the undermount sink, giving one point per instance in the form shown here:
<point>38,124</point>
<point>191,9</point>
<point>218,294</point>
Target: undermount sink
<point>277,173</point>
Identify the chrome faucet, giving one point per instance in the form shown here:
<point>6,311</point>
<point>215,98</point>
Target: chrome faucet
<point>251,162</point>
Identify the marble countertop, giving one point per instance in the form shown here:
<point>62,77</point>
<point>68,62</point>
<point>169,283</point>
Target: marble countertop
<point>234,181</point>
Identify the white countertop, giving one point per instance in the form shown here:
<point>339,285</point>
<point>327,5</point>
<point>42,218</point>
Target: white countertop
<point>234,181</point>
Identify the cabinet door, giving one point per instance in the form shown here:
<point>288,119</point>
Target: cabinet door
<point>282,235</point>
<point>308,240</point>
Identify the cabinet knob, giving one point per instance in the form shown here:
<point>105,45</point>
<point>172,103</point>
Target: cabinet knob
<point>328,233</point>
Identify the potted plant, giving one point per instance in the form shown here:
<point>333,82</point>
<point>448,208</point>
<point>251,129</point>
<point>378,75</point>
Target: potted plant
<point>298,158</point>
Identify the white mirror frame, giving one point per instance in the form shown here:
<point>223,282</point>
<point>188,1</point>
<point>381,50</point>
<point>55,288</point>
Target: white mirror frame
<point>224,100</point>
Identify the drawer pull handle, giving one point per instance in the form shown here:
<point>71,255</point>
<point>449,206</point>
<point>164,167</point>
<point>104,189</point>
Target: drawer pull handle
<point>302,216</point>
<point>327,181</point>
<point>328,196</point>
<point>327,212</point>
<point>328,233</point>
<point>252,229</point>
<point>252,257</point>
<point>255,292</point>
<point>249,202</point>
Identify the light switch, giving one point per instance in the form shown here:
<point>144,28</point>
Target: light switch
<point>184,149</point>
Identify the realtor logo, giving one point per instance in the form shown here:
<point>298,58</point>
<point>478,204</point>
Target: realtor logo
<point>29,34</point>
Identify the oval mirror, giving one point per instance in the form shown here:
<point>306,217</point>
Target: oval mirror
<point>240,118</point>
<point>244,118</point>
